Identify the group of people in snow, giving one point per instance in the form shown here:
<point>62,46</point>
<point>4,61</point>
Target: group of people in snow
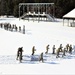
<point>68,48</point>
<point>20,51</point>
<point>12,27</point>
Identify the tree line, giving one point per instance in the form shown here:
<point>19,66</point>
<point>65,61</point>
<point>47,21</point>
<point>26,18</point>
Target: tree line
<point>11,7</point>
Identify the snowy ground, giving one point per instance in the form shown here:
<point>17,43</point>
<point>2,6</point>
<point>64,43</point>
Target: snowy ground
<point>39,35</point>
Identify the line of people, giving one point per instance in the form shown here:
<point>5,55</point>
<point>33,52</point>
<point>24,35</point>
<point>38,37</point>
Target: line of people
<point>20,52</point>
<point>68,48</point>
<point>12,27</point>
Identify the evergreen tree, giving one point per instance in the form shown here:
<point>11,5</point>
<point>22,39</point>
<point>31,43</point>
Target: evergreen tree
<point>11,7</point>
<point>3,7</point>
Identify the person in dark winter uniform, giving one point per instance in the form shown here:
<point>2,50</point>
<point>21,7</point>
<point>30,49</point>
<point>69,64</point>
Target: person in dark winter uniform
<point>1,25</point>
<point>53,49</point>
<point>70,49</point>
<point>41,57</point>
<point>9,27</point>
<point>24,29</point>
<point>16,28</point>
<point>33,50</point>
<point>67,47</point>
<point>20,50</point>
<point>64,51</point>
<point>57,53</point>
<point>47,48</point>
<point>19,28</point>
<point>60,47</point>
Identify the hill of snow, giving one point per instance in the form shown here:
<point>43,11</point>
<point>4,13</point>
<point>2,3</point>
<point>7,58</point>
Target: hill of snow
<point>39,35</point>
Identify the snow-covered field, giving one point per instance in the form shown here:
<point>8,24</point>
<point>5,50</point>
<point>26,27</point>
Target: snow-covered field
<point>39,35</point>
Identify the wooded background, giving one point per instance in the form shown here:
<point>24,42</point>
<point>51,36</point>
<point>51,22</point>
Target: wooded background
<point>11,7</point>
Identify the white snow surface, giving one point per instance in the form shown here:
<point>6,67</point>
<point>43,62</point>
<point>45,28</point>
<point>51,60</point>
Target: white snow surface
<point>38,34</point>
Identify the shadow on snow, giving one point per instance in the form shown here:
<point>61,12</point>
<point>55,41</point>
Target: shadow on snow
<point>27,59</point>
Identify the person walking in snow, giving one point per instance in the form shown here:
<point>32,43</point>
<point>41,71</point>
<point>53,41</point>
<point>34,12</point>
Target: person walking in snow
<point>33,50</point>
<point>60,47</point>
<point>1,25</point>
<point>41,57</point>
<point>19,28</point>
<point>64,51</point>
<point>23,29</point>
<point>20,50</point>
<point>16,28</point>
<point>47,48</point>
<point>70,49</point>
<point>67,47</point>
<point>57,53</point>
<point>53,49</point>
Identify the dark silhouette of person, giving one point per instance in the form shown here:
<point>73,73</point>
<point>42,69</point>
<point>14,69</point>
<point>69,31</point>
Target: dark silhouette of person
<point>57,53</point>
<point>70,49</point>
<point>47,48</point>
<point>60,47</point>
<point>41,57</point>
<point>64,51</point>
<point>20,50</point>
<point>53,49</point>
<point>33,50</point>
<point>23,29</point>
<point>67,47</point>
